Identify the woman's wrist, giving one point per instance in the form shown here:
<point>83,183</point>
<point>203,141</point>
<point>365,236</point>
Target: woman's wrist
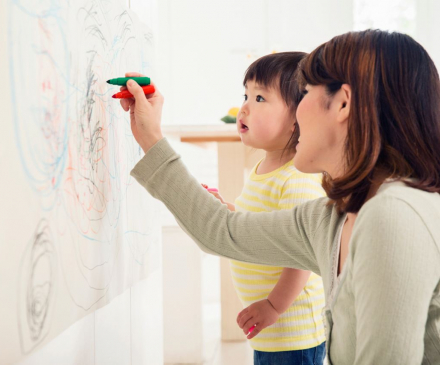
<point>151,142</point>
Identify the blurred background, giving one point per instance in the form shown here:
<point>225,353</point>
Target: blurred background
<point>204,47</point>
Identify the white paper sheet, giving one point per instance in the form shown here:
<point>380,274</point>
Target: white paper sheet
<point>76,229</point>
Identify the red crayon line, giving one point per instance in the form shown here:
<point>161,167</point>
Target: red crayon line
<point>125,94</point>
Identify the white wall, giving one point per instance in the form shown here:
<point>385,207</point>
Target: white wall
<point>428,28</point>
<point>204,47</point>
<point>418,18</point>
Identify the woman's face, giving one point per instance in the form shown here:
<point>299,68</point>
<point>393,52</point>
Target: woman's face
<point>322,124</point>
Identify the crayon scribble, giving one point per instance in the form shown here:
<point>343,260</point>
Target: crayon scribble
<point>37,288</point>
<point>77,150</point>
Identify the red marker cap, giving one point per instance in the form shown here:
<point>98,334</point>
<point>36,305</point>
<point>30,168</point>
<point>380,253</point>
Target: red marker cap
<point>125,94</point>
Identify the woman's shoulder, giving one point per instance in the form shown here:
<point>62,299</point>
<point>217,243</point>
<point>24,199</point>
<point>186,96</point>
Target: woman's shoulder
<point>401,206</point>
<point>397,193</point>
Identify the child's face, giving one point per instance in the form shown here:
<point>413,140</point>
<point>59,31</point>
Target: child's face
<point>264,120</point>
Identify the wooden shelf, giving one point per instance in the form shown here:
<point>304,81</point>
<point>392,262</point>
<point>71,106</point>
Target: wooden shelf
<point>203,133</point>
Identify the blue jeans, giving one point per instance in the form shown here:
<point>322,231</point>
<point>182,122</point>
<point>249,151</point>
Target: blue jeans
<point>313,356</point>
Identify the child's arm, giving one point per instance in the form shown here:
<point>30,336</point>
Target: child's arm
<point>290,285</point>
<point>292,281</point>
<point>266,312</point>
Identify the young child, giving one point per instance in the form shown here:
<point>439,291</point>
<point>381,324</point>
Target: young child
<point>284,304</point>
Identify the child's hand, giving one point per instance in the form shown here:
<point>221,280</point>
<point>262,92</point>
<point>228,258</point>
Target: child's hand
<point>261,314</point>
<point>215,193</point>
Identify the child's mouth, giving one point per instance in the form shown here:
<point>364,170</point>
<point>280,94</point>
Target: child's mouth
<point>243,127</point>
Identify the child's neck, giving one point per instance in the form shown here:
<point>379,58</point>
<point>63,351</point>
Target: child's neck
<point>274,160</point>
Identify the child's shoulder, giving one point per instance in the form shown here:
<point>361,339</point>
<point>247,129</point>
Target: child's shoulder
<point>290,173</point>
<point>294,181</point>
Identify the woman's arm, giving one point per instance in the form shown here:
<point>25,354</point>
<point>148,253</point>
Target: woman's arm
<point>282,238</point>
<point>279,238</point>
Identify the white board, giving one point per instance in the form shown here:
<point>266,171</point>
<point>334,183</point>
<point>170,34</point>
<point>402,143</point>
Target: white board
<point>76,230</point>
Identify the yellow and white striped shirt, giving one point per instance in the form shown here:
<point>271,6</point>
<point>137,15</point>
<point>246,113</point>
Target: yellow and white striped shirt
<point>301,326</point>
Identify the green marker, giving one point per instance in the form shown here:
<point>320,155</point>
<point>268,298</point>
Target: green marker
<point>122,81</point>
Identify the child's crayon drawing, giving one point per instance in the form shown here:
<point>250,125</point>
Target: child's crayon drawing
<point>93,229</point>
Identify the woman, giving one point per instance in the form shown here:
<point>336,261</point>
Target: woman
<point>370,121</point>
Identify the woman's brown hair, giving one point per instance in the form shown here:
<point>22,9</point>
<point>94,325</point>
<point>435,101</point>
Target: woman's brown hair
<point>394,121</point>
<point>278,71</point>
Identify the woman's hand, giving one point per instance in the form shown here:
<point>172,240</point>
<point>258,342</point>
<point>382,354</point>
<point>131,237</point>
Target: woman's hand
<point>145,113</point>
<point>261,314</point>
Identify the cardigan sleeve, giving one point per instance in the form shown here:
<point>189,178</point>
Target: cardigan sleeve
<point>280,238</point>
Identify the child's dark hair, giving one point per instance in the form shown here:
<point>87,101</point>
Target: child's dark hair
<point>277,71</point>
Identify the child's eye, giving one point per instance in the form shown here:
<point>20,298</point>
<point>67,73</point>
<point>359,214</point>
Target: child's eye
<point>245,97</point>
<point>260,98</point>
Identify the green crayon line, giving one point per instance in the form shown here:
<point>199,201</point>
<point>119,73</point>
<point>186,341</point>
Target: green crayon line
<point>122,81</point>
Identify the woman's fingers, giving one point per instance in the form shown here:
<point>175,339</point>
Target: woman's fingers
<point>130,74</point>
<point>137,92</point>
<point>126,103</point>
<point>154,95</point>
<point>133,74</point>
<point>145,113</point>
